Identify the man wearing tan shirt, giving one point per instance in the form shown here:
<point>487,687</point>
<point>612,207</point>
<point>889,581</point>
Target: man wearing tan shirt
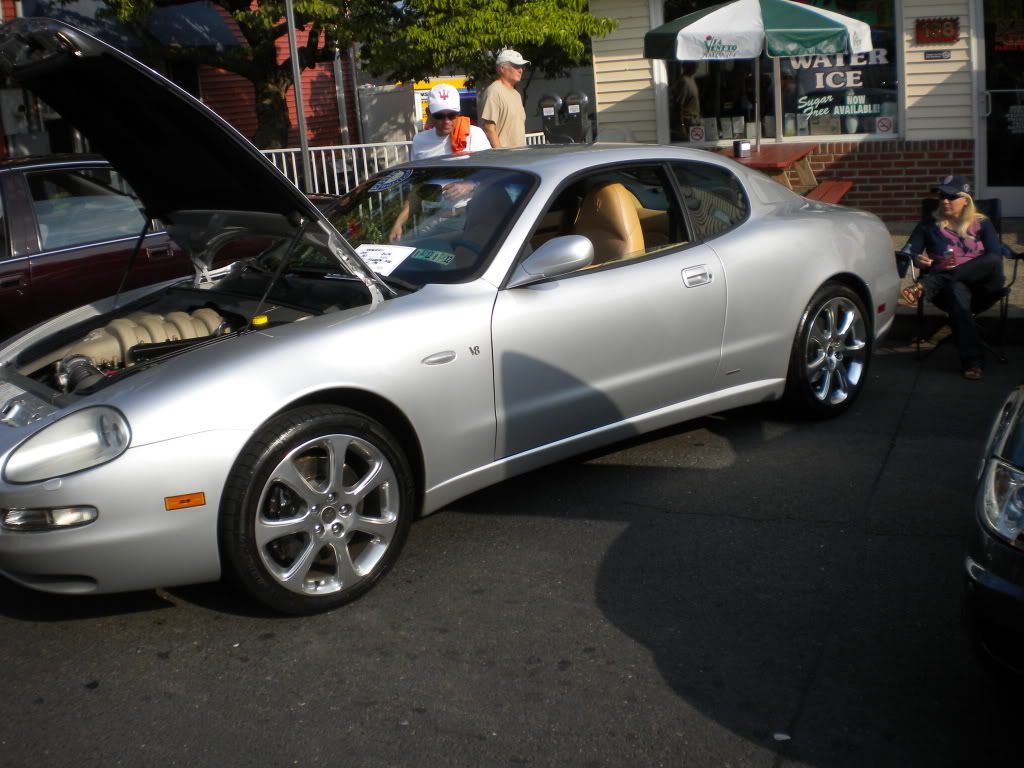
<point>502,115</point>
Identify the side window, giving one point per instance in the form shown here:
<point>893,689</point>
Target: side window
<point>713,196</point>
<point>82,206</point>
<point>626,212</point>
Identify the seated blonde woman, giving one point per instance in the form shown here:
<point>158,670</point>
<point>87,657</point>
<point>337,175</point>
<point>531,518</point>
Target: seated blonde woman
<point>961,262</point>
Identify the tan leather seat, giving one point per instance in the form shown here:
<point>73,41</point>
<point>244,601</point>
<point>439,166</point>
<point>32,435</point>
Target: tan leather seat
<point>608,217</point>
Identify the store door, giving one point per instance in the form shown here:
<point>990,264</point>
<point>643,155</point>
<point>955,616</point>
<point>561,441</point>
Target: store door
<point>1001,138</point>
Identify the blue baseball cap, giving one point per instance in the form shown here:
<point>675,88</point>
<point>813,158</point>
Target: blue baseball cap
<point>953,185</point>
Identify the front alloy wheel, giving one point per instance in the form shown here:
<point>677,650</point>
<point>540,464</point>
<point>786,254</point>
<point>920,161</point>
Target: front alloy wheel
<point>324,512</point>
<point>327,515</point>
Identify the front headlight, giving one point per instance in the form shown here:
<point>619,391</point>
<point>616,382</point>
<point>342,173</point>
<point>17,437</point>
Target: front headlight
<point>84,439</point>
<point>1002,503</point>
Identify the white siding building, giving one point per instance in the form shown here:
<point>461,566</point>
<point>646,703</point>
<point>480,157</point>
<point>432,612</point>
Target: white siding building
<point>942,93</point>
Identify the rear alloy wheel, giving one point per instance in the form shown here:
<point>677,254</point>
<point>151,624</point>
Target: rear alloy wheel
<point>831,352</point>
<point>316,510</point>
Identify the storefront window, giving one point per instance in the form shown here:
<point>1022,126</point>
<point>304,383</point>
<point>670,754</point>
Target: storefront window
<point>713,100</point>
<point>819,95</point>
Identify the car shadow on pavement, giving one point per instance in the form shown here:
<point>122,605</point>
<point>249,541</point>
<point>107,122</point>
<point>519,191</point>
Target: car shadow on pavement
<point>223,597</point>
<point>23,604</point>
<point>791,579</point>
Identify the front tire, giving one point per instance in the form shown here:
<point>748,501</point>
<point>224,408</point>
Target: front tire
<point>831,352</point>
<point>316,509</point>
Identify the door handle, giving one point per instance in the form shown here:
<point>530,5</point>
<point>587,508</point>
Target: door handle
<point>694,276</point>
<point>10,282</point>
<point>159,253</point>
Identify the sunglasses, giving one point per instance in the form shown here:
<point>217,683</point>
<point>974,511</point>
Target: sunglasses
<point>515,66</point>
<point>947,196</point>
<point>445,115</point>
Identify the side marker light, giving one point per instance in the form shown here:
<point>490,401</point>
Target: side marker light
<point>184,501</point>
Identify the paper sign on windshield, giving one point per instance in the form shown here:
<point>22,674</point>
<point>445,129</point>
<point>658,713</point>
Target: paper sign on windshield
<point>382,259</point>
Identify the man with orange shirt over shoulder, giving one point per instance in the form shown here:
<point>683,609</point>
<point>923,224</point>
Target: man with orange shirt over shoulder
<point>450,131</point>
<point>502,115</point>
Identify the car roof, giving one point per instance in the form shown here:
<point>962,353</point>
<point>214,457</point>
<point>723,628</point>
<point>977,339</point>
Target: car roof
<point>569,158</point>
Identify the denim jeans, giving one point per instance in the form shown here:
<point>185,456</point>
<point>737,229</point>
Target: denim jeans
<point>962,292</point>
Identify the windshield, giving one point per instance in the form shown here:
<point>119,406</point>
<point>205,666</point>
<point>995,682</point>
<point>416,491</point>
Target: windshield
<point>431,225</point>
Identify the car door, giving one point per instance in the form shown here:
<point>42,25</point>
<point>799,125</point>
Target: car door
<point>80,227</point>
<point>638,331</point>
<point>14,269</point>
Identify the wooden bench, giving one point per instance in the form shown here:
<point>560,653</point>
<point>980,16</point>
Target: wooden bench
<point>830,190</point>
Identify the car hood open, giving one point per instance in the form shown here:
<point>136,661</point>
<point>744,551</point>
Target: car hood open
<point>175,152</point>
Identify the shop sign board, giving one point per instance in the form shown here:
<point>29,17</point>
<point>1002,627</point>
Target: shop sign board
<point>940,30</point>
<point>845,93</point>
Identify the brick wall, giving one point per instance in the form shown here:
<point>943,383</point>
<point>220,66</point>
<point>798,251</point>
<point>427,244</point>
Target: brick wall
<point>320,103</point>
<point>230,96</point>
<point>890,177</point>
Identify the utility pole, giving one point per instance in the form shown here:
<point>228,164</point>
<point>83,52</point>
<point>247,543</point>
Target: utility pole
<point>300,112</point>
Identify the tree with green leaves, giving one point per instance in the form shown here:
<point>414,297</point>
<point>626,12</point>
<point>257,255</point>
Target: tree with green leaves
<point>262,26</point>
<point>415,39</point>
<point>409,40</point>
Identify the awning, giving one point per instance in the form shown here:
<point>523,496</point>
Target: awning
<point>188,25</point>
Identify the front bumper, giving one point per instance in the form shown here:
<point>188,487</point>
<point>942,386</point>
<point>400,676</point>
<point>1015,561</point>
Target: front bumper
<point>994,599</point>
<point>135,543</point>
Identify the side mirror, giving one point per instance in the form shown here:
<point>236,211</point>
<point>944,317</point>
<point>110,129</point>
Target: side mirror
<point>558,256</point>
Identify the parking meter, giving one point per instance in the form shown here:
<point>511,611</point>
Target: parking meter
<point>574,124</point>
<point>550,107</point>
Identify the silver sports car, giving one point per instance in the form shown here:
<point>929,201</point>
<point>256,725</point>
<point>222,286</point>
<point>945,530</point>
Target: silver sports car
<point>336,368</point>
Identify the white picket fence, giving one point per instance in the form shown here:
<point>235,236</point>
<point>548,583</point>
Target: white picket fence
<point>338,169</point>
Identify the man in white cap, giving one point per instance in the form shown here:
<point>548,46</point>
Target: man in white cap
<point>451,132</point>
<point>502,116</point>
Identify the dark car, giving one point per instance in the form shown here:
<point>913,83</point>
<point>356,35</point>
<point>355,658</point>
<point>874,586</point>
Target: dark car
<point>70,224</point>
<point>994,566</point>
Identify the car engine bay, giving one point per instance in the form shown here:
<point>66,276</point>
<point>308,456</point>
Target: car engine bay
<point>90,354</point>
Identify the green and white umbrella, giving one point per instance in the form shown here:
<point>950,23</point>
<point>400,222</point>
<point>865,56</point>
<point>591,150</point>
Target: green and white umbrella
<point>743,29</point>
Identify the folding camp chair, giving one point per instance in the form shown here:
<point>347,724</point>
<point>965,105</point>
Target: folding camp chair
<point>992,208</point>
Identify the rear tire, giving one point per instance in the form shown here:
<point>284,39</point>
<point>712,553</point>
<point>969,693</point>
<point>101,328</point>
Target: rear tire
<point>831,351</point>
<point>316,509</point>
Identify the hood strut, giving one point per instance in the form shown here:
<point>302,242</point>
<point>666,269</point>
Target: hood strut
<point>131,261</point>
<point>280,268</point>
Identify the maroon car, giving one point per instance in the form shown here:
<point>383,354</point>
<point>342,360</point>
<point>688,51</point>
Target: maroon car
<point>70,225</point>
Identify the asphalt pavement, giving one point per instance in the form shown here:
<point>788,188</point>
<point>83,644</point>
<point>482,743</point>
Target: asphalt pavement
<point>741,590</point>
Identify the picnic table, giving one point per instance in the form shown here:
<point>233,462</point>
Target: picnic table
<point>776,160</point>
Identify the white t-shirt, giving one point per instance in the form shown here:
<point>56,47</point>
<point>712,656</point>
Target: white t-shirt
<point>428,144</point>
